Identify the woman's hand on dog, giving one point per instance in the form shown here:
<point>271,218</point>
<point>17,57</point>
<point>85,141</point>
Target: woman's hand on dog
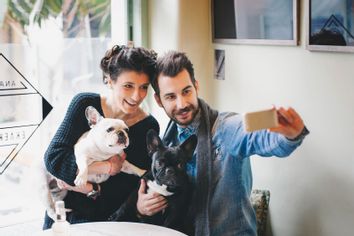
<point>116,163</point>
<point>149,203</point>
<point>111,166</point>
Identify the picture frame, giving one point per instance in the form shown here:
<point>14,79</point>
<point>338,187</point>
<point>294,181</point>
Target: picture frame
<point>265,22</point>
<point>330,25</point>
<point>219,64</point>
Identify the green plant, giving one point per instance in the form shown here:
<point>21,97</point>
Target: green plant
<point>73,13</point>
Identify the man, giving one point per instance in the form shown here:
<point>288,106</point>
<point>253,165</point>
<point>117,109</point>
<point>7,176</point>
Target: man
<point>220,168</point>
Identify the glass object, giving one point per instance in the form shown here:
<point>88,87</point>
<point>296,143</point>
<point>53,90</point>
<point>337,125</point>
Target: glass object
<point>60,226</point>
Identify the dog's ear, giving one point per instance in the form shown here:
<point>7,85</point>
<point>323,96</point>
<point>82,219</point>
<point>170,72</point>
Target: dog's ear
<point>153,141</point>
<point>188,146</point>
<point>92,116</point>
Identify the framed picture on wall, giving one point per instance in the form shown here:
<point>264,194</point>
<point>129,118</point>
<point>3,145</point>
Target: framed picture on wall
<point>330,25</point>
<point>271,22</point>
<point>219,64</point>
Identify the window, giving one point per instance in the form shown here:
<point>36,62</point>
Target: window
<point>58,50</point>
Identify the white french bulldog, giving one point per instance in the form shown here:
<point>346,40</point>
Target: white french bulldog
<point>106,138</point>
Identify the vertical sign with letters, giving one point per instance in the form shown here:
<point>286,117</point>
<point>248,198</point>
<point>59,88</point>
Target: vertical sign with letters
<point>23,109</point>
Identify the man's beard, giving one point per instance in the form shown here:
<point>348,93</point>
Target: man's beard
<point>186,109</point>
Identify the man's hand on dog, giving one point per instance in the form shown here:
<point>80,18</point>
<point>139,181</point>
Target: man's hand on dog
<point>149,203</point>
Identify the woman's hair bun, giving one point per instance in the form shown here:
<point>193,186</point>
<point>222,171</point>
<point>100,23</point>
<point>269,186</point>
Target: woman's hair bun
<point>115,50</point>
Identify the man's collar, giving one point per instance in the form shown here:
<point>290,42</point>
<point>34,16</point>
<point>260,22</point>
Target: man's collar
<point>192,127</point>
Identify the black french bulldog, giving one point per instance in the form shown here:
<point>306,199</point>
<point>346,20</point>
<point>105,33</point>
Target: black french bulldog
<point>169,178</point>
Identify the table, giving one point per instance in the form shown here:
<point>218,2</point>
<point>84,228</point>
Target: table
<point>118,229</point>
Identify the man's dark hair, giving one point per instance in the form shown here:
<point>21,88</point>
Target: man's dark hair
<point>171,64</point>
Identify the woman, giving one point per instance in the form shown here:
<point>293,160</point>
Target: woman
<point>127,72</point>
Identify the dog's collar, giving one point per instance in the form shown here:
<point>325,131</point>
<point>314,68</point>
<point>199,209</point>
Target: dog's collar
<point>161,189</point>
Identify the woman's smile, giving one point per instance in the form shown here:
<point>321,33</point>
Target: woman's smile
<point>132,104</point>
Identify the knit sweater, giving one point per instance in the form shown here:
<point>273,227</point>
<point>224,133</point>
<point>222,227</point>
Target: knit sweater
<point>60,161</point>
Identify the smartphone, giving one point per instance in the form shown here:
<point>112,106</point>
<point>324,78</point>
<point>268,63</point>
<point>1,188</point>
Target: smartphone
<point>260,120</point>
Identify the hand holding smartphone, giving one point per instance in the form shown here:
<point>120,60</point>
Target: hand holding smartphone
<point>258,120</point>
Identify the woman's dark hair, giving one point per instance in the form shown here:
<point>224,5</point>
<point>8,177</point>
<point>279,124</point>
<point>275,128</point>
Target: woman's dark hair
<point>171,64</point>
<point>119,59</point>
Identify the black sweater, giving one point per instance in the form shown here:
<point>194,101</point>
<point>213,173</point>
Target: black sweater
<point>61,162</point>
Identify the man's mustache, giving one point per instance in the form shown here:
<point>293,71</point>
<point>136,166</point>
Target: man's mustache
<point>186,109</point>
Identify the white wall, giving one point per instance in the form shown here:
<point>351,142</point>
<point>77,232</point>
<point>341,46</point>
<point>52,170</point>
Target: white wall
<point>163,29</point>
<point>311,191</point>
<point>182,25</point>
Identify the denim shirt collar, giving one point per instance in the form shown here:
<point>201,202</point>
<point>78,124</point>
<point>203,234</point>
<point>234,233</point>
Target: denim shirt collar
<point>192,128</point>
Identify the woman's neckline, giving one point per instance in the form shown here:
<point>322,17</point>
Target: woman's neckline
<point>133,121</point>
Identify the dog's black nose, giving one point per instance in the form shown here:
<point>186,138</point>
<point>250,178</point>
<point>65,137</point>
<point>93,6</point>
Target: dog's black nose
<point>121,136</point>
